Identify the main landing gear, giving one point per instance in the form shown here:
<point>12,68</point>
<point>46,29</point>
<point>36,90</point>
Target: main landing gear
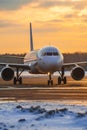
<point>18,78</point>
<point>50,81</point>
<point>62,78</point>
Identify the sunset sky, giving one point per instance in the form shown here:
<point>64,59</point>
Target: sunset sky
<point>61,23</point>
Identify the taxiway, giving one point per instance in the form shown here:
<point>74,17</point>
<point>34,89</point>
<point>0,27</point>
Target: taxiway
<point>35,88</point>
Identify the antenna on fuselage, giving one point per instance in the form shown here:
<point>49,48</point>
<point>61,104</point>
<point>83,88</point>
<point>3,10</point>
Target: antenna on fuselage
<point>31,38</point>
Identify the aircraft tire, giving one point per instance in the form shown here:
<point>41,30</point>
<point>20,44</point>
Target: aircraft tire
<point>14,80</point>
<point>50,82</point>
<point>59,80</point>
<point>20,80</point>
<point>64,80</point>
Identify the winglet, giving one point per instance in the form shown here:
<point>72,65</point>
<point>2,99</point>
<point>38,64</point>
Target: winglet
<point>31,38</point>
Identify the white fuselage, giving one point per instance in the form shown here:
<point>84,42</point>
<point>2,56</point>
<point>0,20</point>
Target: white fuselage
<point>46,60</point>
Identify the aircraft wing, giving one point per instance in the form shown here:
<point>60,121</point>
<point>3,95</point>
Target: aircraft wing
<point>18,66</point>
<point>7,56</point>
<point>66,65</point>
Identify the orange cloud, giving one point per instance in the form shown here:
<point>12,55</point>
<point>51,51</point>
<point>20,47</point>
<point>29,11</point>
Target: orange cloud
<point>61,23</point>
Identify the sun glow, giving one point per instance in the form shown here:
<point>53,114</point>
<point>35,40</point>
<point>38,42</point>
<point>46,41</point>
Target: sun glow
<point>63,23</point>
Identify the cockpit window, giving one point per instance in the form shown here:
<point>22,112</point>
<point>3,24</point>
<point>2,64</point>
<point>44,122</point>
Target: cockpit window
<point>49,51</point>
<point>50,54</point>
<point>44,54</point>
<point>55,53</point>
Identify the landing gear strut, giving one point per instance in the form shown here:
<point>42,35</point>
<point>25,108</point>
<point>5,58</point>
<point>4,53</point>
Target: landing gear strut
<point>50,81</point>
<point>62,78</point>
<point>18,78</point>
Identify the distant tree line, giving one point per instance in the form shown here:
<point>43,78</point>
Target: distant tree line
<point>75,57</point>
<point>68,57</point>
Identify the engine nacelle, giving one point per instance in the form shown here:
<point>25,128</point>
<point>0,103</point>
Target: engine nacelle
<point>77,73</point>
<point>7,73</point>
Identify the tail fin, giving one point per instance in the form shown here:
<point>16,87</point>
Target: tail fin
<point>31,38</point>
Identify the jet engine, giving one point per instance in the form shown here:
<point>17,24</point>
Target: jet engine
<point>7,73</point>
<point>77,73</point>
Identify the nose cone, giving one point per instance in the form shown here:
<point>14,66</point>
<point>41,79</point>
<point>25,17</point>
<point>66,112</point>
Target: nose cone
<point>51,64</point>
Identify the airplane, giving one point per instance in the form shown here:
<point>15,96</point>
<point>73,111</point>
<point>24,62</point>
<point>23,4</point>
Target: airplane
<point>46,60</point>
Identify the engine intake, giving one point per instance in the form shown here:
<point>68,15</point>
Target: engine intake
<point>77,73</point>
<point>7,73</point>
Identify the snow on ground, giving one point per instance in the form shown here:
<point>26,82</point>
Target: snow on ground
<point>43,115</point>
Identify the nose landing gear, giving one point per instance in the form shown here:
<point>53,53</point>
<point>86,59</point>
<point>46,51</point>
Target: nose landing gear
<point>50,81</point>
<point>61,78</point>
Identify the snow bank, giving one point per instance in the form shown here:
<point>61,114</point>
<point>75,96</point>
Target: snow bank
<point>42,116</point>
